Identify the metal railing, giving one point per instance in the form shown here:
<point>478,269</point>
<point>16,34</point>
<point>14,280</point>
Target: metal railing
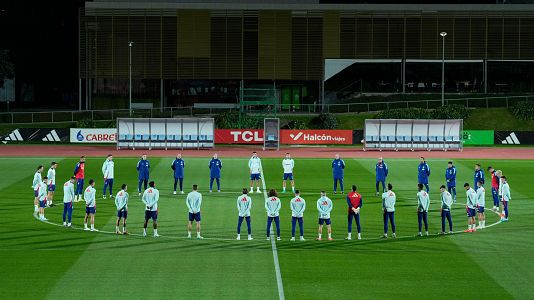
<point>169,112</point>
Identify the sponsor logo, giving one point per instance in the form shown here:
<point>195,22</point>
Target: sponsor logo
<point>13,136</point>
<point>297,136</point>
<point>239,136</point>
<point>93,135</point>
<point>316,136</point>
<point>51,137</point>
<point>511,140</point>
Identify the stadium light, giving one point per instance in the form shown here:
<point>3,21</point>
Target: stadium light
<point>130,44</point>
<point>443,35</point>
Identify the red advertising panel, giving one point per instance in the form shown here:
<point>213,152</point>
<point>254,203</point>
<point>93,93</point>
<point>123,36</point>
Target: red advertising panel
<point>238,136</point>
<point>310,137</point>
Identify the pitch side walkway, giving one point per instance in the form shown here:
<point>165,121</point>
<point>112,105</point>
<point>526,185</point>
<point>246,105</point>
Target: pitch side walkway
<point>244,151</point>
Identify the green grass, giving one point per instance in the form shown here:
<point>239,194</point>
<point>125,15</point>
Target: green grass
<point>45,261</point>
<point>496,119</point>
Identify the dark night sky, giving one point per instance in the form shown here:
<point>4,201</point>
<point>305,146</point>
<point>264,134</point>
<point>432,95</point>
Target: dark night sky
<point>43,38</point>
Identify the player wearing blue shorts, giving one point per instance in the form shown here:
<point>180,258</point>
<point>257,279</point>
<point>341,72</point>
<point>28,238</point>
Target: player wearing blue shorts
<point>68,199</point>
<point>51,184</point>
<point>288,164</point>
<point>254,164</point>
<point>90,205</point>
<point>244,204</point>
<point>108,170</point>
<point>193,202</point>
<point>273,205</point>
<point>324,206</point>
<point>504,191</point>
<point>150,199</point>
<point>121,202</point>
<point>338,165</point>
<point>470,208</point>
<point>41,196</point>
<point>37,178</point>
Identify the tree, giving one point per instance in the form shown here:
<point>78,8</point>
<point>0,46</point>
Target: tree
<point>7,67</point>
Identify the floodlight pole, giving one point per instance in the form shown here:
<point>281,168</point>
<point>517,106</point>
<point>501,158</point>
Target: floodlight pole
<point>443,35</point>
<point>130,44</point>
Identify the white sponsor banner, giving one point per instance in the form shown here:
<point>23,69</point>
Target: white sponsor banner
<point>93,135</point>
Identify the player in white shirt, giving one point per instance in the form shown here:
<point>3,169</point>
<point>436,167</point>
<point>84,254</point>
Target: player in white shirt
<point>388,205</point>
<point>423,204</point>
<point>471,204</point>
<point>288,164</point>
<point>41,196</point>
<point>51,183</point>
<point>324,206</point>
<point>481,203</point>
<point>121,202</point>
<point>150,199</point>
<point>37,179</point>
<point>244,204</point>
<point>298,206</point>
<point>273,205</point>
<point>90,205</point>
<point>193,202</point>
<point>68,199</point>
<point>446,206</point>
<point>108,170</point>
<point>505,198</point>
<point>254,164</point>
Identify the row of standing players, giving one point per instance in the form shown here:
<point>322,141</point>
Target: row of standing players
<point>44,191</point>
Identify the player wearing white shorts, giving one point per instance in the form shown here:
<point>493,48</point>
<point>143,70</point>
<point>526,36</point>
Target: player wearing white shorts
<point>288,164</point>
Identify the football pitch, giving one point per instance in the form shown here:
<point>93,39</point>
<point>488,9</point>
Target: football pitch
<point>46,260</point>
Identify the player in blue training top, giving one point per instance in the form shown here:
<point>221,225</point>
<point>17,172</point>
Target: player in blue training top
<point>215,167</point>
<point>143,167</point>
<point>450,176</point>
<point>423,172</point>
<point>381,170</point>
<point>178,166</point>
<point>479,176</point>
<point>338,165</point>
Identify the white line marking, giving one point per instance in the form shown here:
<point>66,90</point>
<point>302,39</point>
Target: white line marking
<point>273,247</point>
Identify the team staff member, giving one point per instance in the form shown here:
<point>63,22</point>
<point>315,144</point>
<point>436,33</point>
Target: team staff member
<point>215,167</point>
<point>338,165</point>
<point>143,168</point>
<point>381,170</point>
<point>178,166</point>
<point>423,172</point>
<point>388,205</point>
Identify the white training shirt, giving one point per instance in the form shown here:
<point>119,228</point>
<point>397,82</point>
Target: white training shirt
<point>51,176</point>
<point>254,165</point>
<point>68,192</point>
<point>481,197</point>
<point>506,192</point>
<point>471,198</point>
<point>108,169</point>
<point>150,199</point>
<point>89,196</point>
<point>288,165</point>
<point>42,188</point>
<point>36,180</point>
<point>388,201</point>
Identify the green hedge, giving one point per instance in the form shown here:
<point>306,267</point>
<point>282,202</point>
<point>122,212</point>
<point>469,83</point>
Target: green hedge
<point>523,110</point>
<point>453,111</point>
<point>325,121</point>
<point>233,121</point>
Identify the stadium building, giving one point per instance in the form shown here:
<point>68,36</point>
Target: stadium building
<point>299,52</point>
